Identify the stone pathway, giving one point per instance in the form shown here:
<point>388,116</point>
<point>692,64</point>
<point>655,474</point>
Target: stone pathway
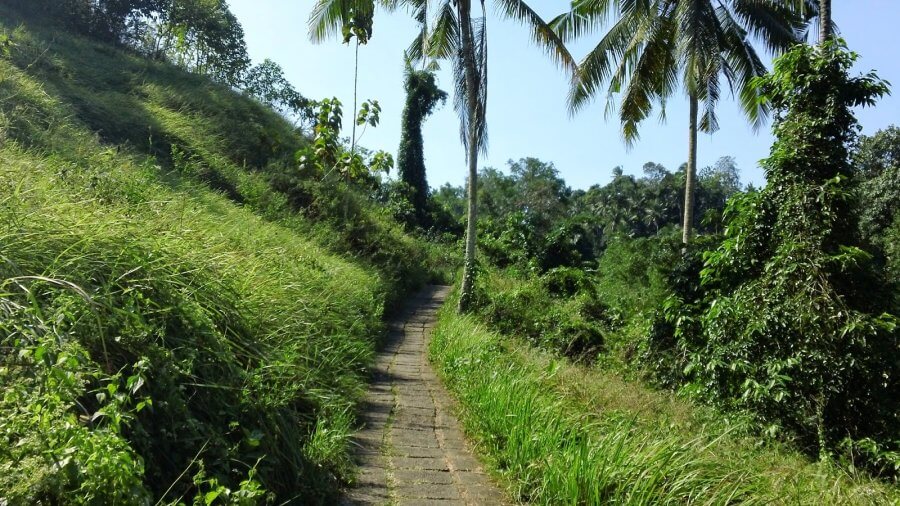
<point>412,450</point>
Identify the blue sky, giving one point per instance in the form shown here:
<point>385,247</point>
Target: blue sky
<point>527,113</point>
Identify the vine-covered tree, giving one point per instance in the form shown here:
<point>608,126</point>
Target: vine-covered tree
<point>798,325</point>
<point>422,96</point>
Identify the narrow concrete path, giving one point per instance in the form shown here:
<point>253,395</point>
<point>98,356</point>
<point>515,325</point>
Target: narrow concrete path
<point>412,450</point>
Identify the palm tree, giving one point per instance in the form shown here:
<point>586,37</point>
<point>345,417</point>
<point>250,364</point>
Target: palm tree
<point>816,9</point>
<point>453,30</point>
<point>826,28</point>
<point>656,45</point>
<point>455,35</point>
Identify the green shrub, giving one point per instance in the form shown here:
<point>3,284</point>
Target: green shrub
<point>575,326</point>
<point>566,281</point>
<point>632,273</point>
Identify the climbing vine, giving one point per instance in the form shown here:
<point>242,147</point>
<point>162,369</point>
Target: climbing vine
<point>422,96</point>
<point>792,325</point>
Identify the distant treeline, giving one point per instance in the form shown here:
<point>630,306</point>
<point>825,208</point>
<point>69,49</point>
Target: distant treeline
<point>531,216</point>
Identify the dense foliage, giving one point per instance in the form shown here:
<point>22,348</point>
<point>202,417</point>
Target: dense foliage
<point>581,272</point>
<point>194,267</point>
<point>561,433</point>
<point>877,168</point>
<point>795,323</point>
<point>200,36</point>
<point>784,309</point>
<point>532,220</point>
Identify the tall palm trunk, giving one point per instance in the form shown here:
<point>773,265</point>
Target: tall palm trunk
<point>825,26</point>
<point>355,83</point>
<point>690,175</point>
<point>468,49</point>
<point>468,281</point>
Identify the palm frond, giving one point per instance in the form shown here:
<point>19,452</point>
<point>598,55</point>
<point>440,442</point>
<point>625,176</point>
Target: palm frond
<point>584,18</point>
<point>460,97</point>
<point>650,79</point>
<point>709,121</point>
<point>541,32</point>
<point>597,67</point>
<point>481,58</point>
<point>443,39</point>
<point>328,17</point>
<point>470,77</point>
<point>745,64</point>
<point>772,22</point>
<point>416,49</point>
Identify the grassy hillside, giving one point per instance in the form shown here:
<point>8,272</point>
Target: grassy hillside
<point>171,326</point>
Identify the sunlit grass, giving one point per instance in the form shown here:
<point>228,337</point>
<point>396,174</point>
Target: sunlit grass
<point>258,326</point>
<point>249,325</point>
<point>566,434</point>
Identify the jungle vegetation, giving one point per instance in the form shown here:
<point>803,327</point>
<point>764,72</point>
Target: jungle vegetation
<point>197,261</point>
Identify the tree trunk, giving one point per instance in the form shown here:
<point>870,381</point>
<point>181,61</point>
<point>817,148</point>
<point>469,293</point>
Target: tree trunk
<point>690,175</point>
<point>469,268</point>
<point>825,26</point>
<point>353,112</point>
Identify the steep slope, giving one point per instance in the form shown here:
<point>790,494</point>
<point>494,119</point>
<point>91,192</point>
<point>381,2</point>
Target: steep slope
<point>171,326</point>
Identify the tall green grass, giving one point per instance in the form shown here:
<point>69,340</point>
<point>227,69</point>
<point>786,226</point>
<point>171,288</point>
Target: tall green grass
<point>254,337</point>
<point>563,434</point>
<point>171,326</point>
<point>57,88</point>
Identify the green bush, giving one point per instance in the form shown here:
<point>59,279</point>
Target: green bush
<point>575,326</point>
<point>566,281</point>
<point>632,273</point>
